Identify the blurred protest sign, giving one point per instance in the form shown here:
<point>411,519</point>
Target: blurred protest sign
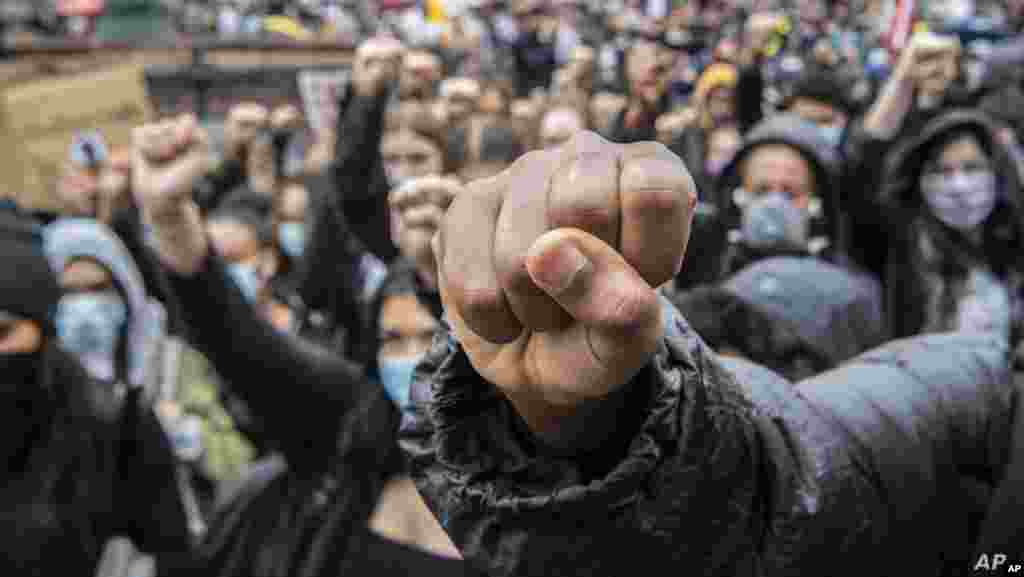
<point>320,91</point>
<point>41,119</point>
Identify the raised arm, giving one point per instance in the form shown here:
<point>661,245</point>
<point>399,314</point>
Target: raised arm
<point>281,378</point>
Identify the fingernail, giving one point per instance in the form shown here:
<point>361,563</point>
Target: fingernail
<point>556,269</point>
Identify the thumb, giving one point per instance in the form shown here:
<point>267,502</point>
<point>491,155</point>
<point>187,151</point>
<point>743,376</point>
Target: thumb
<point>600,290</point>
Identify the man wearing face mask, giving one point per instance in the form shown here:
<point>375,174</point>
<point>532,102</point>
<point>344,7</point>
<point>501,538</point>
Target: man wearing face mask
<point>779,195</point>
<point>83,462</point>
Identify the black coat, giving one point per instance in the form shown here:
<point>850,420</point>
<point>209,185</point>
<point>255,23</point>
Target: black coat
<point>85,462</point>
<point>845,475</point>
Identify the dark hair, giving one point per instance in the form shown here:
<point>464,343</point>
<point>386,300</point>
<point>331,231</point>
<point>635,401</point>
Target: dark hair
<point>821,85</point>
<point>1002,237</point>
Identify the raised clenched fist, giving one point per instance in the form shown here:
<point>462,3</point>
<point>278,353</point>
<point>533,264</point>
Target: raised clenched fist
<point>243,124</point>
<point>376,66</point>
<point>167,159</point>
<point>418,207</point>
<point>548,271</point>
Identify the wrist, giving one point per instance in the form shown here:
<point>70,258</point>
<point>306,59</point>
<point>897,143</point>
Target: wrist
<point>573,425</point>
<point>179,238</point>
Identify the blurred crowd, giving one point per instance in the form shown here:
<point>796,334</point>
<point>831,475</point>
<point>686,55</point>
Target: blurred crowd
<point>228,398</point>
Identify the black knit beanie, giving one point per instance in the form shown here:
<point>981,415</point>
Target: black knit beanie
<point>28,287</point>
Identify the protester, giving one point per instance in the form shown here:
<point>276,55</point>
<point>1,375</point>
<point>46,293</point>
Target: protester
<point>85,461</point>
<point>338,463</point>
<point>711,389</point>
<point>951,211</point>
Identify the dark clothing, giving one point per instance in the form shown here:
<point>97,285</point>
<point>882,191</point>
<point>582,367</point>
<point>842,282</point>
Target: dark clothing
<point>311,518</point>
<point>721,481</point>
<point>797,316</point>
<point>535,64</point>
<point>128,226</point>
<point>84,463</point>
<point>358,174</point>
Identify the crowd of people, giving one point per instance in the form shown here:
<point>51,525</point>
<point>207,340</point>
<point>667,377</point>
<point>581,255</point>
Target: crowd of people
<point>732,288</point>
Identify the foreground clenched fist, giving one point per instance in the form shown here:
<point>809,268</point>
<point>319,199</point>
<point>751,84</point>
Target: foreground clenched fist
<point>548,271</point>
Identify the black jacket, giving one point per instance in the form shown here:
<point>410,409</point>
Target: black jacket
<point>844,475</point>
<point>93,463</point>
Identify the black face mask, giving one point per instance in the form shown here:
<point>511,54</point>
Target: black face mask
<point>18,369</point>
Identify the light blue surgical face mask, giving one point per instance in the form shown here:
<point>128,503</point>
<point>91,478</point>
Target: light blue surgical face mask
<point>396,376</point>
<point>89,326</point>
<point>292,238</point>
<point>246,278</point>
<point>833,134</point>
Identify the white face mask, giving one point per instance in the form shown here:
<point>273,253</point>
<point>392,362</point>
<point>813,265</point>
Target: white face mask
<point>961,201</point>
<point>772,221</point>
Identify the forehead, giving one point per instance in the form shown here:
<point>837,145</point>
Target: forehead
<point>403,313</point>
<point>84,272</point>
<point>232,239</point>
<point>813,109</point>
<point>406,142</point>
<point>961,148</point>
<point>775,161</point>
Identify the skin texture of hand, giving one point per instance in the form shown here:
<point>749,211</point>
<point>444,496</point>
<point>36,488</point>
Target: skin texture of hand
<point>547,271</point>
<point>244,122</point>
<point>167,158</point>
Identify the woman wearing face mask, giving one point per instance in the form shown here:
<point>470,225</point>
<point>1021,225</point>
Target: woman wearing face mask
<point>83,462</point>
<point>951,213</point>
<point>105,317</point>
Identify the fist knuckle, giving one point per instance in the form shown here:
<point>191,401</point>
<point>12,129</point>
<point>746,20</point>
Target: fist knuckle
<point>480,300</point>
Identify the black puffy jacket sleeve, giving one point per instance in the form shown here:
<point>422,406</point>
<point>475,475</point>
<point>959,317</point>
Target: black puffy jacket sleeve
<point>841,475</point>
<point>683,480</point>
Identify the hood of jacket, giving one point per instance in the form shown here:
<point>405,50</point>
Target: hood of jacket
<point>900,183</point>
<point>805,138</point>
<point>68,239</point>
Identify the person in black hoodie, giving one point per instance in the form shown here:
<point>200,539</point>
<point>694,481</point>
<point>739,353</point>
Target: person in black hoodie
<point>84,462</point>
<point>310,517</point>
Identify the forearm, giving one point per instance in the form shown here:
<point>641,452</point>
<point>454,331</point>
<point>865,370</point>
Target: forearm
<point>885,118</point>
